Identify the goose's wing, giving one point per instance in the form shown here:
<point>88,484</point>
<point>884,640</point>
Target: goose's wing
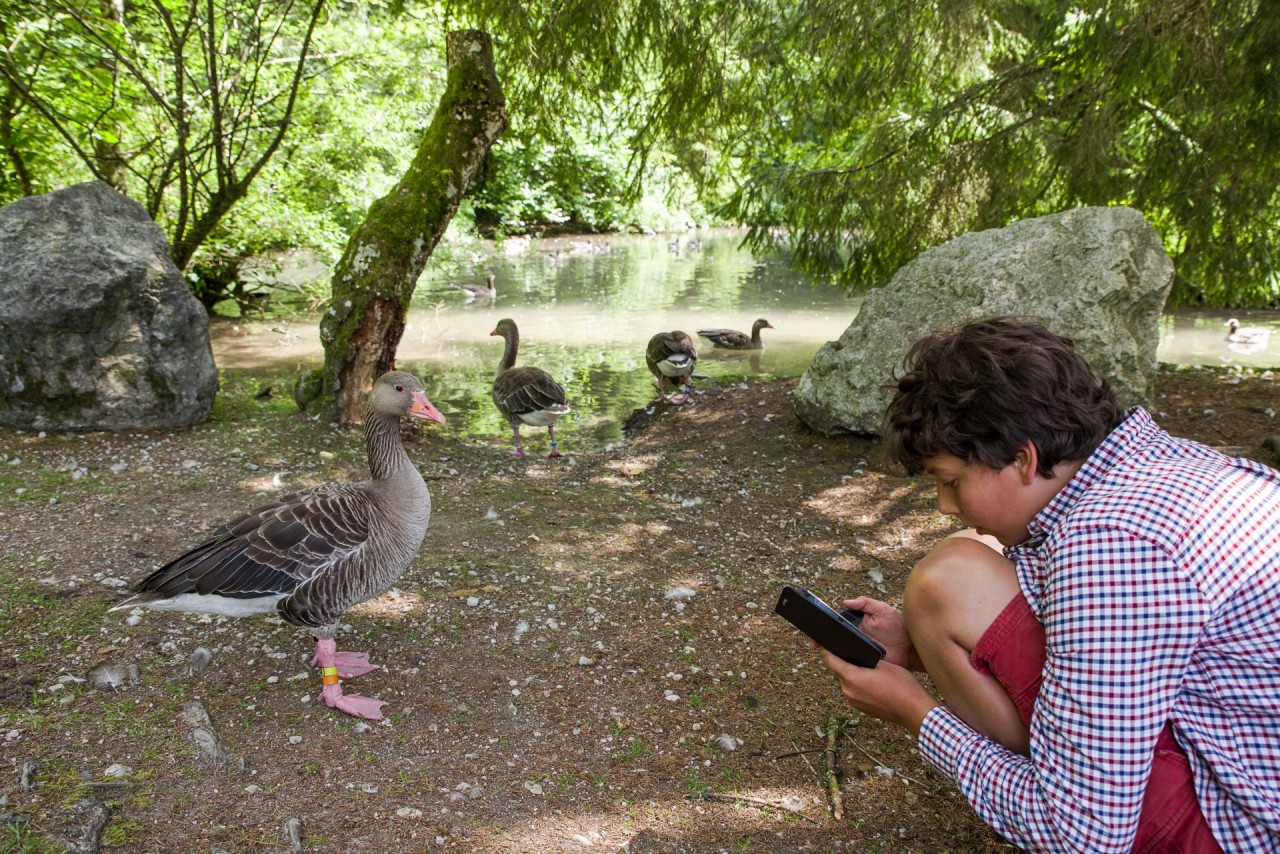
<point>726,337</point>
<point>269,550</point>
<point>527,389</point>
<point>671,353</point>
<point>661,347</point>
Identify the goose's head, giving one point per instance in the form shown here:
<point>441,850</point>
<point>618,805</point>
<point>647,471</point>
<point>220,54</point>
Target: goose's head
<point>401,394</point>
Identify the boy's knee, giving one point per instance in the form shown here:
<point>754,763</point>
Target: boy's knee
<point>937,572</point>
<point>952,574</point>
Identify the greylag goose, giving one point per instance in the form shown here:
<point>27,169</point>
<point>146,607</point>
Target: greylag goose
<point>313,554</point>
<point>526,395</point>
<point>486,291</point>
<point>671,357</point>
<point>732,339</point>
<point>1237,334</point>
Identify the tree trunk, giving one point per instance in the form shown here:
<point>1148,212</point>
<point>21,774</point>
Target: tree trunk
<point>374,281</point>
<point>109,156</point>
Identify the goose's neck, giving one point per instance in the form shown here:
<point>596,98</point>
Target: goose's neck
<point>755,335</point>
<point>387,456</point>
<point>509,352</point>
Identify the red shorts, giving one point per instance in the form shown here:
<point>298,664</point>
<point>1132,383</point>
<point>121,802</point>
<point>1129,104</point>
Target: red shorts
<point>1012,651</point>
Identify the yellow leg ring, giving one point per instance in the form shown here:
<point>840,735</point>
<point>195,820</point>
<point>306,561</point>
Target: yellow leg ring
<point>329,675</point>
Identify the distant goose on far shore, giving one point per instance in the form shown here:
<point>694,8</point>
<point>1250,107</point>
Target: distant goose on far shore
<point>1237,334</point>
<point>732,339</point>
<point>480,292</point>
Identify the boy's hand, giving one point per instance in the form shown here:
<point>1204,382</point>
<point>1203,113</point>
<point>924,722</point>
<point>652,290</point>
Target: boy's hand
<point>887,691</point>
<point>883,622</point>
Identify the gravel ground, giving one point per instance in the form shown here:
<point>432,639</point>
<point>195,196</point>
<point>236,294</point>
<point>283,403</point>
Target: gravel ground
<point>583,656</point>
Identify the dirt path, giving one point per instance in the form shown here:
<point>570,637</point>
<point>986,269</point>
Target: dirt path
<point>582,657</point>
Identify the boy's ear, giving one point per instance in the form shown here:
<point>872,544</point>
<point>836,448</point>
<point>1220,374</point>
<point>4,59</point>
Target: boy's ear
<point>1027,462</point>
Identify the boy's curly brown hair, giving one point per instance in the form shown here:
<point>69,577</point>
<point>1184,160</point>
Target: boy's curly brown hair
<point>982,389</point>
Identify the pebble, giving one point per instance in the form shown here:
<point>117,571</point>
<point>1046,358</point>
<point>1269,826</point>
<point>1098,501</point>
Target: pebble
<point>118,771</point>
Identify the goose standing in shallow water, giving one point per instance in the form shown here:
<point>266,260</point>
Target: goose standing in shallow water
<point>313,554</point>
<point>732,339</point>
<point>526,395</point>
<point>671,357</point>
<point>483,292</point>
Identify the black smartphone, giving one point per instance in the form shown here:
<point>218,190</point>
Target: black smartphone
<point>836,631</point>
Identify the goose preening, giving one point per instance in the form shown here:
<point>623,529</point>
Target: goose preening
<point>483,292</point>
<point>732,339</point>
<point>526,395</point>
<point>1256,336</point>
<point>313,554</point>
<point>671,357</point>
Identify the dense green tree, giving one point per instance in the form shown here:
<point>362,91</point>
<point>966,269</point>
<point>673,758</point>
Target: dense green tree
<point>181,104</point>
<point>866,132</point>
<point>860,133</point>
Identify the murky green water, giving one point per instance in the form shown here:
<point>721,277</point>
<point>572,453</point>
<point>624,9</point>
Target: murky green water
<point>585,310</point>
<point>586,307</point>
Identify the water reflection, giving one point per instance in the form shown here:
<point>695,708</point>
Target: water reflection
<point>1201,338</point>
<point>586,308</point>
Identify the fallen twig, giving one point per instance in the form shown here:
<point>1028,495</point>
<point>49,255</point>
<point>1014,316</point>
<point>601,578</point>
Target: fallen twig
<point>797,753</point>
<point>747,799</point>
<point>882,765</point>
<point>833,728</point>
<point>801,754</point>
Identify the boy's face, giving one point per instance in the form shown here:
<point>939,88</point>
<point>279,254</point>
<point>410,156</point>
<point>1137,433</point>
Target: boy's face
<point>998,502</point>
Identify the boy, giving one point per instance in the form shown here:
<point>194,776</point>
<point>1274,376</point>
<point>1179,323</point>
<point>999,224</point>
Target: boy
<point>1112,679</point>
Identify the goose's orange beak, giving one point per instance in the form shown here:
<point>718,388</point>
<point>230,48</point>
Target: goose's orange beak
<point>423,409</point>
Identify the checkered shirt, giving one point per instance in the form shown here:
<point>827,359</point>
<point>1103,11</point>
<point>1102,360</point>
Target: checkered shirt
<point>1156,573</point>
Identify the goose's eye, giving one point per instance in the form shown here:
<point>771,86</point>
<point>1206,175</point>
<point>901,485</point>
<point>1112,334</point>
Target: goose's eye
<point>400,389</point>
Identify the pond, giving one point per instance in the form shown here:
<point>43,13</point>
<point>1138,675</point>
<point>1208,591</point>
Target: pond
<point>587,306</point>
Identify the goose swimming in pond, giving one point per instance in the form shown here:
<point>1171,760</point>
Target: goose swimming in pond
<point>1237,334</point>
<point>671,357</point>
<point>526,395</point>
<point>483,292</point>
<point>732,339</point>
<point>312,555</point>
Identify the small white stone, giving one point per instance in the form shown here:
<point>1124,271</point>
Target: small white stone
<point>409,812</point>
<point>295,739</point>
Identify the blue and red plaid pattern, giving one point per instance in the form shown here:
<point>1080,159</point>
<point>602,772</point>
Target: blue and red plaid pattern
<point>1156,573</point>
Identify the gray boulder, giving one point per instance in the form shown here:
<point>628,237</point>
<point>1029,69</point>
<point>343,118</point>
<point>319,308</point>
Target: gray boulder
<point>98,330</point>
<point>1100,276</point>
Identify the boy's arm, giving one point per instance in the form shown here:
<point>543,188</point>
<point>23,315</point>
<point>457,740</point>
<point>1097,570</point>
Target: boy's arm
<point>1120,623</point>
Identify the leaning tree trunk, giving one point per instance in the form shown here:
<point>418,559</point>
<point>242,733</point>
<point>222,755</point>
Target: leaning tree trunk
<point>374,281</point>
